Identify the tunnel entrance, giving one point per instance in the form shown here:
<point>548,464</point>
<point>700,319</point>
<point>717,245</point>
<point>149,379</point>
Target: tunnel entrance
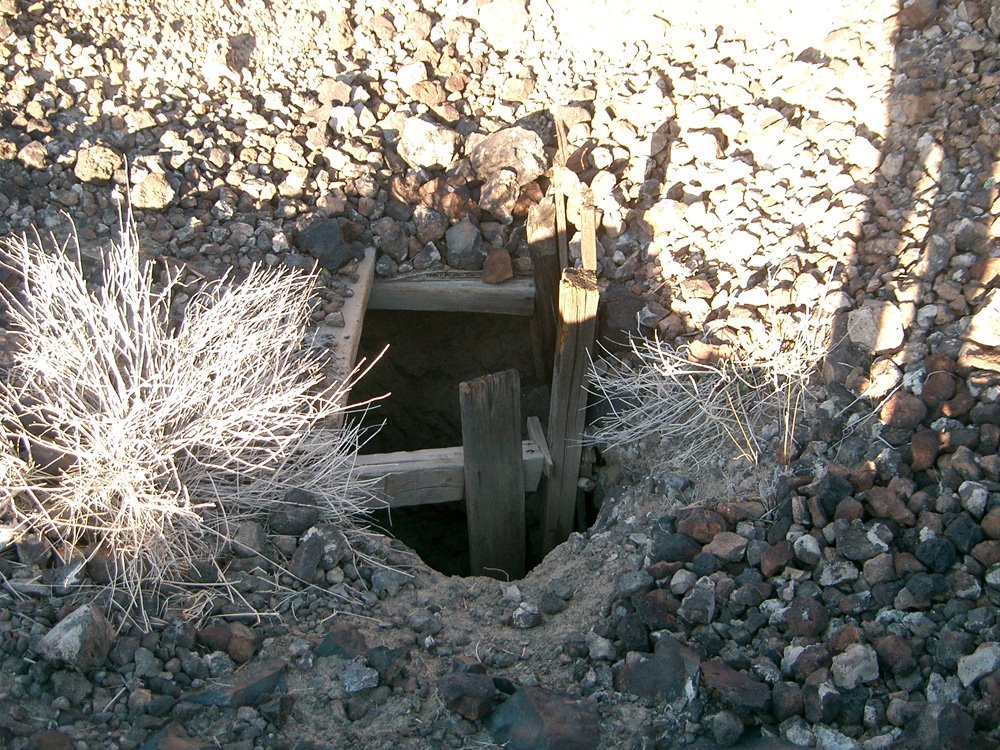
<point>429,355</point>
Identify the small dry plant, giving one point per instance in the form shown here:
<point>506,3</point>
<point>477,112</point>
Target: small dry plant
<point>143,437</point>
<point>726,423</point>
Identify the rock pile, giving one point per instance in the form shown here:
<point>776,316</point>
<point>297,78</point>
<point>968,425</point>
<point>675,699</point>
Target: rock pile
<point>749,166</point>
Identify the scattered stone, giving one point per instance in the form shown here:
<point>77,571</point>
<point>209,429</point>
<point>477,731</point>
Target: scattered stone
<point>322,240</point>
<point>537,719</point>
<point>497,267</point>
<point>251,686</point>
<point>727,728</point>
<point>343,641</point>
<point>526,616</point>
<point>807,617</point>
<point>298,512</point>
<point>670,674</point>
<point>698,606</point>
<point>903,411</point>
<point>975,666</point>
<point>83,639</point>
<point>425,145</point>
<point>516,149</point>
<point>727,546</point>
<point>97,164</point>
<point>736,688</point>
<point>857,665</point>
<point>465,247</point>
<point>500,194</point>
<point>152,192</point>
<point>941,726</point>
<point>471,695</point>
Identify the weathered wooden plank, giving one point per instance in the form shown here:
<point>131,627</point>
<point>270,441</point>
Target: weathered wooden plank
<point>562,230</point>
<point>434,475</point>
<point>513,297</point>
<point>588,232</point>
<point>578,297</point>
<point>494,487</point>
<point>348,339</point>
<point>541,235</point>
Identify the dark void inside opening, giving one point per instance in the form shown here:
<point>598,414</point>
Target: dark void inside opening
<point>429,354</point>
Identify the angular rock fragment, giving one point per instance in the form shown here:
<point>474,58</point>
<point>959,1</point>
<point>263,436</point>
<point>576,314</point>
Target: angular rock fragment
<point>82,639</point>
<point>537,719</point>
<point>516,149</point>
<point>425,145</point>
<point>471,695</point>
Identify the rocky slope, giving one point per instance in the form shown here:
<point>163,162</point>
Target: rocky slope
<point>745,163</point>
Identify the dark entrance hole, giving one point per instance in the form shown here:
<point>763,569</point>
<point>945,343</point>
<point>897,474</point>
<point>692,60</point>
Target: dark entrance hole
<point>429,354</point>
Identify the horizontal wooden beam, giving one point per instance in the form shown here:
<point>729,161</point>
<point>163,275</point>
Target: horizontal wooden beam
<point>513,297</point>
<point>435,475</point>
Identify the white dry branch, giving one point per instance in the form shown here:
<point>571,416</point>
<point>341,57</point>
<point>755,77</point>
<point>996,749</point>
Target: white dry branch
<point>699,418</point>
<point>135,435</point>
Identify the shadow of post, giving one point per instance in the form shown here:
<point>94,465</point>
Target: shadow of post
<point>921,267</point>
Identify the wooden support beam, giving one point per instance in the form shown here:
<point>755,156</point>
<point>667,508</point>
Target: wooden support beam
<point>434,475</point>
<point>348,339</point>
<point>541,231</point>
<point>513,297</point>
<point>562,231</point>
<point>588,231</point>
<point>494,486</point>
<point>578,297</point>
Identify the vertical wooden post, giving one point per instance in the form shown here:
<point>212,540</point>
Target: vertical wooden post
<point>562,229</point>
<point>588,231</point>
<point>541,230</point>
<point>494,476</point>
<point>578,297</point>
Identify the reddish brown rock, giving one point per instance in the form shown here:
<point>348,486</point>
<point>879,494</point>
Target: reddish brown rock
<point>809,660</point>
<point>807,617</point>
<point>735,688</point>
<point>657,609</point>
<point>925,447</point>
<point>918,13</point>
<point>991,524</point>
<point>773,560</point>
<point>740,510</point>
<point>849,509</point>
<point>786,700</point>
<point>905,563</point>
<point>497,266</point>
<point>701,524</point>
<point>342,640</point>
<point>471,695</point>
<point>939,387</point>
<point>988,552</point>
<point>845,636</point>
<point>896,654</point>
<point>960,405</point>
<point>243,643</point>
<point>885,503</point>
<point>727,546</point>
<point>538,718</point>
<point>214,636</point>
<point>903,411</point>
